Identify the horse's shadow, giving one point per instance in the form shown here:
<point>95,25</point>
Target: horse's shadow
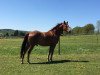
<point>59,61</point>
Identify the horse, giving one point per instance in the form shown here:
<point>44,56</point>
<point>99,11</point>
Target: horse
<point>49,38</point>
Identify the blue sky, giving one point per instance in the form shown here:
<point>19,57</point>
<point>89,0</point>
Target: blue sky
<point>42,15</point>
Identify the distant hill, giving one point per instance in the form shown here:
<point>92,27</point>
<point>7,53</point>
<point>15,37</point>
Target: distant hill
<point>11,32</point>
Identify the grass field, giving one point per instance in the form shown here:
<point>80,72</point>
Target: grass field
<point>80,55</point>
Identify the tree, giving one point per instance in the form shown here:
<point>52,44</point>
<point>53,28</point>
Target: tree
<point>98,26</point>
<point>1,34</point>
<point>22,33</point>
<point>16,33</point>
<point>77,30</point>
<point>7,34</point>
<point>88,29</point>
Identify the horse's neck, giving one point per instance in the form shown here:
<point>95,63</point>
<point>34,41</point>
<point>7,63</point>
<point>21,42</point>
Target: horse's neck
<point>56,32</point>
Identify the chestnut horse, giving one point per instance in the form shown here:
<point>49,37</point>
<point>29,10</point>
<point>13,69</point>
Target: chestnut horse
<point>49,38</point>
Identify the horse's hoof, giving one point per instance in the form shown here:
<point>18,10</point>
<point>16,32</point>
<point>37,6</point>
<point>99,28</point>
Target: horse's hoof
<point>29,63</point>
<point>48,60</point>
<point>22,63</point>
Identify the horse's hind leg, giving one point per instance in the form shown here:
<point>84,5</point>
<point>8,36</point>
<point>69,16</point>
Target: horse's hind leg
<point>22,57</point>
<point>29,52</point>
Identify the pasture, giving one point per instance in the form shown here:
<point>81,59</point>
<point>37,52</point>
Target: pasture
<point>80,55</point>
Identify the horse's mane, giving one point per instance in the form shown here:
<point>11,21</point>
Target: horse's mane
<point>56,26</point>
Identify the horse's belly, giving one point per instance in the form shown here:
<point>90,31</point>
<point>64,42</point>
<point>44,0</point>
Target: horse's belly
<point>46,43</point>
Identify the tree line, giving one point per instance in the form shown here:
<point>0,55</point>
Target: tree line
<point>87,29</point>
<point>19,33</point>
<point>12,33</point>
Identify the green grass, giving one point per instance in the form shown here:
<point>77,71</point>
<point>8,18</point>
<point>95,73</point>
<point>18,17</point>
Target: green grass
<point>80,55</point>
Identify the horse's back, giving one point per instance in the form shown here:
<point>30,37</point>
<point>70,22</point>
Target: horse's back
<point>47,39</point>
<point>34,33</point>
<point>42,38</point>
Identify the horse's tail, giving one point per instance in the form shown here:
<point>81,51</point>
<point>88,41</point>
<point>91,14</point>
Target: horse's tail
<point>24,45</point>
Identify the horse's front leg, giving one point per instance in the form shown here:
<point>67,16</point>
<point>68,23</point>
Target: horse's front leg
<point>51,51</point>
<point>49,55</point>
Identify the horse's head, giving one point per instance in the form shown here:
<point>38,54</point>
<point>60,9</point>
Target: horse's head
<point>65,27</point>
<point>61,27</point>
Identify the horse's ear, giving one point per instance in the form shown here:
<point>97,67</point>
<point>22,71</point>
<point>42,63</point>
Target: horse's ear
<point>64,22</point>
<point>67,22</point>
